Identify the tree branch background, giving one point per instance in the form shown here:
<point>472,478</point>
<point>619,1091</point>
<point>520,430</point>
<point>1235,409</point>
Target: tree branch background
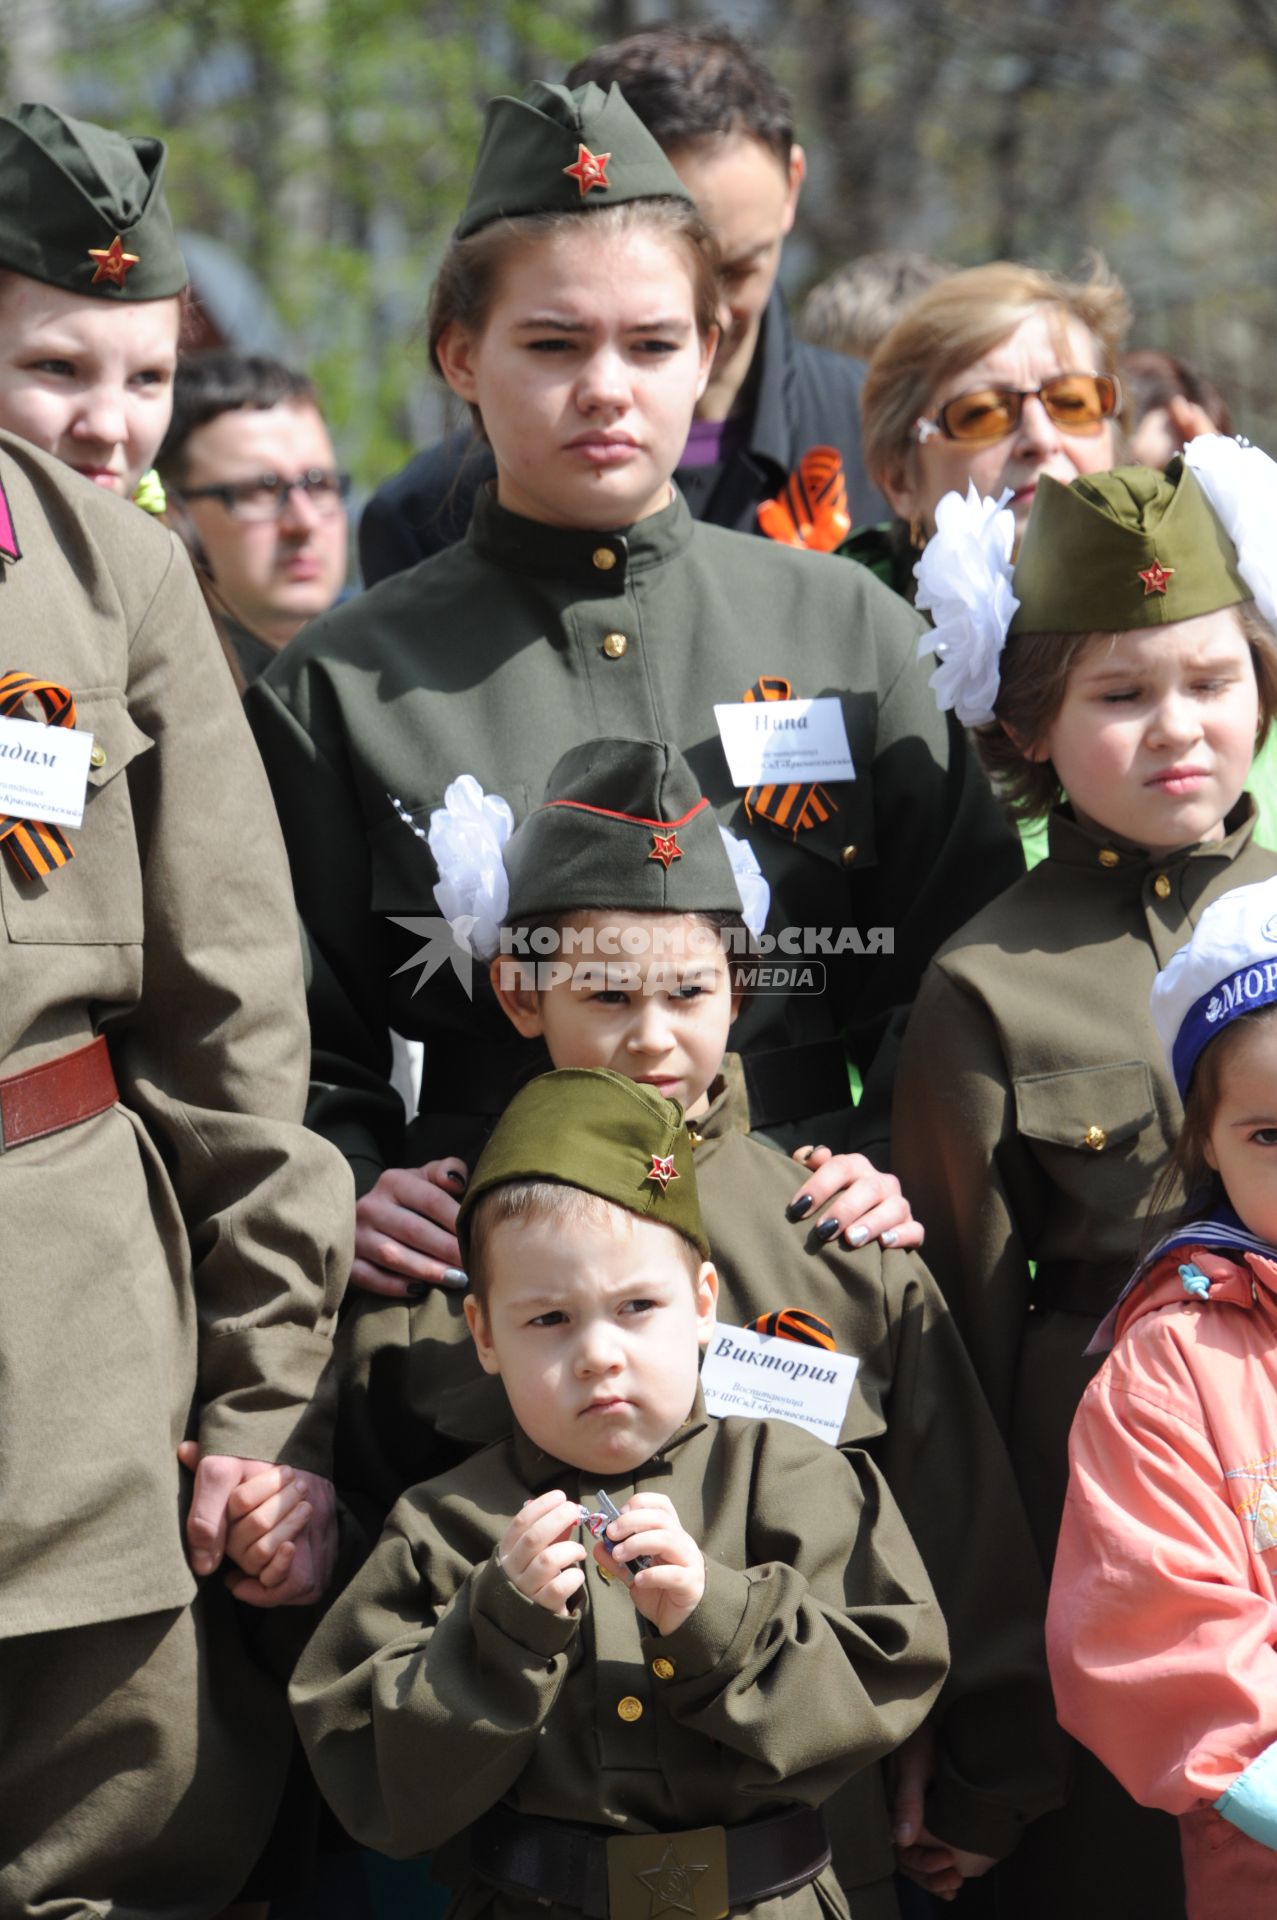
<point>327,143</point>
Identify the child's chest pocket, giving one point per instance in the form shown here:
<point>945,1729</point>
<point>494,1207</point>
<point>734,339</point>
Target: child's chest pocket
<point>1091,1129</point>
<point>96,899</point>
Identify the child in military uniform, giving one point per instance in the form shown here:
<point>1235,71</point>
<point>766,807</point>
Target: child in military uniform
<point>657,1724</point>
<point>175,1242</point>
<point>626,886</point>
<point>1033,1109</point>
<point>575,312</point>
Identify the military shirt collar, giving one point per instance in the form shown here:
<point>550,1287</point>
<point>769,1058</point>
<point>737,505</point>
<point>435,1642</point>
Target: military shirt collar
<point>1073,844</point>
<point>599,560</point>
<point>539,1470</point>
<point>728,1110</point>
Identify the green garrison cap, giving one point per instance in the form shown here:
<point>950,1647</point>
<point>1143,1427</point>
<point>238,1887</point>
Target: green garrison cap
<point>1130,548</point>
<point>624,824</point>
<point>83,208</point>
<point>590,1128</point>
<point>557,151</point>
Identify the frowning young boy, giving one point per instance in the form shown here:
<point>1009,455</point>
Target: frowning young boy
<point>654,1722</point>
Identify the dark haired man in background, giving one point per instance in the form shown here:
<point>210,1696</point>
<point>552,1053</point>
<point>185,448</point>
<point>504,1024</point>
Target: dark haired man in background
<point>254,490</point>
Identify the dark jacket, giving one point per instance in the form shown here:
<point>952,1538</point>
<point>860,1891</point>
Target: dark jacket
<point>804,397</point>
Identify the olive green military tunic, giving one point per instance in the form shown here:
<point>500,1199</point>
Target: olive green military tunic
<point>1034,1109</point>
<point>492,659</point>
<point>170,1268</point>
<point>414,1400</point>
<point>433,1689</point>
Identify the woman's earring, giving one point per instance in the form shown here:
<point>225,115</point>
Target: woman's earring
<point>917,536</point>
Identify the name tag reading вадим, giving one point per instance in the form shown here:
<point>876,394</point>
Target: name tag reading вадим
<point>759,1376</point>
<point>44,772</point>
<point>774,742</point>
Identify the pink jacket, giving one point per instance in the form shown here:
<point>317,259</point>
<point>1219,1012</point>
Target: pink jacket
<point>1162,1627</point>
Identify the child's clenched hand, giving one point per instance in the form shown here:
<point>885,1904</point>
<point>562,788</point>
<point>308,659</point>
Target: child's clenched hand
<point>668,1591</point>
<point>540,1553</point>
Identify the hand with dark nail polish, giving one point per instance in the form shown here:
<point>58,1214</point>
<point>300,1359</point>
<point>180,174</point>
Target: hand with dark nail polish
<point>827,1230</point>
<point>798,1209</point>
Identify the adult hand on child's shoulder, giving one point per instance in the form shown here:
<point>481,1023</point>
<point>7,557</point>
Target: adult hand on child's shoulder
<point>669,1591</point>
<point>405,1230</point>
<point>540,1553</point>
<point>848,1196</point>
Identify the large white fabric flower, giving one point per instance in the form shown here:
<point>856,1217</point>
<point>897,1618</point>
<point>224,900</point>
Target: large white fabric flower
<point>964,583</point>
<point>1241,484</point>
<point>467,834</point>
<point>755,893</point>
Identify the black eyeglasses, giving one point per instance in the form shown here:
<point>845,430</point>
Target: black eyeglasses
<point>1077,402</point>
<point>266,497</point>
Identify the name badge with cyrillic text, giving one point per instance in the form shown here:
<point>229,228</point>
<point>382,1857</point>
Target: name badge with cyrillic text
<point>44,772</point>
<point>759,1376</point>
<point>774,742</point>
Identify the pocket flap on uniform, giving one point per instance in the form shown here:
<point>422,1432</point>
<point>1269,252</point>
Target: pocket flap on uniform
<point>1086,1107</point>
<point>117,738</point>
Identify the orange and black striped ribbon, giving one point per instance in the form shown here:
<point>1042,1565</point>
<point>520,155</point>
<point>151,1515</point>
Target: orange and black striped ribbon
<point>811,508</point>
<point>795,1323</point>
<point>36,848</point>
<point>795,806</point>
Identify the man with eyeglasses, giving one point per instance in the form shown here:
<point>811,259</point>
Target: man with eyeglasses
<point>254,490</point>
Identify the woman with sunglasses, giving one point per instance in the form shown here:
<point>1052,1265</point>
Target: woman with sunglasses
<point>995,377</point>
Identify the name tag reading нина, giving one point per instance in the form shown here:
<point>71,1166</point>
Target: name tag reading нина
<point>759,1376</point>
<point>774,742</point>
<point>44,772</point>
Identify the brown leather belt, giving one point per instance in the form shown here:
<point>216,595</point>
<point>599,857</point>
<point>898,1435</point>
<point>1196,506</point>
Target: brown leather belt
<point>591,1870</point>
<point>56,1095</point>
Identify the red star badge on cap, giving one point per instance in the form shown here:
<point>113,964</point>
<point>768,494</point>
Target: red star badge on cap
<point>663,1170</point>
<point>589,170</point>
<point>665,848</point>
<point>1155,578</point>
<point>113,262</point>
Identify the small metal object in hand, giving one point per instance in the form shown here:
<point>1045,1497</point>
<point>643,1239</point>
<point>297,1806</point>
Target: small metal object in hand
<point>598,1522</point>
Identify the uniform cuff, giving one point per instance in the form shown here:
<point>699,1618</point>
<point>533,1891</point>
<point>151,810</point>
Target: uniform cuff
<point>1251,1802</point>
<point>498,1601</point>
<point>703,1640</point>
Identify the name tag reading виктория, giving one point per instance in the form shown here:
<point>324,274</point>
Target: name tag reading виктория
<point>758,1376</point>
<point>44,772</point>
<point>775,742</point>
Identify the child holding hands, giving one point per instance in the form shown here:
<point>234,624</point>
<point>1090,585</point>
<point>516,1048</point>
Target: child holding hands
<point>1163,1621</point>
<point>622,1738</point>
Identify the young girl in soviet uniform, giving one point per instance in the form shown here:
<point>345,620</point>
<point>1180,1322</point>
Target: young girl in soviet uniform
<point>1032,1117</point>
<point>1163,1619</point>
<point>618,1749</point>
<point>621,880</point>
<point>575,311</point>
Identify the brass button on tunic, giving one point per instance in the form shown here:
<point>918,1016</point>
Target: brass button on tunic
<point>629,1708</point>
<point>1162,887</point>
<point>614,644</point>
<point>604,559</point>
